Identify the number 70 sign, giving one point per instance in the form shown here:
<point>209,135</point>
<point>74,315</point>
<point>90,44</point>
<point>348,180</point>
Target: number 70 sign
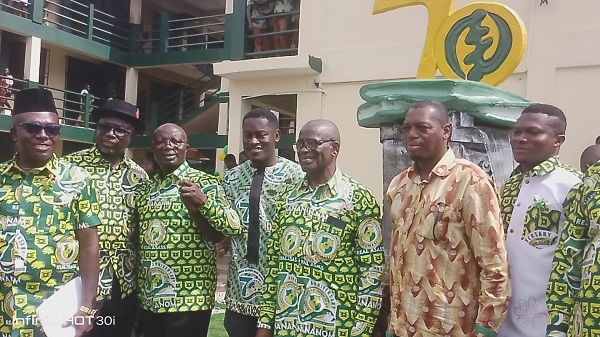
<point>482,41</point>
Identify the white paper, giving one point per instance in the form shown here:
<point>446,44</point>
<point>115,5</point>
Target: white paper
<point>60,307</point>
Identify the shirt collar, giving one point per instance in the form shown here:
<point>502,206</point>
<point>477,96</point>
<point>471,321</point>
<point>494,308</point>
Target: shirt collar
<point>441,169</point>
<point>51,166</point>
<point>179,172</point>
<point>540,169</point>
<point>95,152</point>
<point>332,184</point>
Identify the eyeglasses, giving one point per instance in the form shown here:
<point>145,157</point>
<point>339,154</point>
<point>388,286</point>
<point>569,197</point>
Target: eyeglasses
<point>117,130</point>
<point>52,130</point>
<point>309,144</point>
<point>176,143</point>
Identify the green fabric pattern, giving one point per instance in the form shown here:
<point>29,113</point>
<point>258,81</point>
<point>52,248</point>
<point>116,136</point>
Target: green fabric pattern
<point>572,294</point>
<point>39,213</point>
<point>244,279</point>
<point>178,271</point>
<point>325,262</point>
<point>116,188</point>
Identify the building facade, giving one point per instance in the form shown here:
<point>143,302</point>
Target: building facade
<point>170,58</point>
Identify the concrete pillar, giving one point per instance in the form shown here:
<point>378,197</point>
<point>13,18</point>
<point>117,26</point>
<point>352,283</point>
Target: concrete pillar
<point>33,52</point>
<point>131,85</point>
<point>238,107</point>
<point>135,11</point>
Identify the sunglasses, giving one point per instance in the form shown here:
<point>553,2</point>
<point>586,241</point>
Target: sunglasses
<point>117,130</point>
<point>52,130</point>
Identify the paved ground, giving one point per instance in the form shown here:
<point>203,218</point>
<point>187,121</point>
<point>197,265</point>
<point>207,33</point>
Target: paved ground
<point>222,265</point>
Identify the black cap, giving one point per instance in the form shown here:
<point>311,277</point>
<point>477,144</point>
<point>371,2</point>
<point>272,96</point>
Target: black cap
<point>33,100</point>
<point>120,109</point>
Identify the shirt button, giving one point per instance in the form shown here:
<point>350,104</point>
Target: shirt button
<point>512,230</point>
<point>527,181</point>
<point>519,204</point>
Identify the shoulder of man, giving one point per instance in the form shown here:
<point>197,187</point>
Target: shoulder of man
<point>201,177</point>
<point>76,156</point>
<point>292,169</point>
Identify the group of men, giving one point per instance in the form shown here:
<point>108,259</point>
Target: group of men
<point>307,255</point>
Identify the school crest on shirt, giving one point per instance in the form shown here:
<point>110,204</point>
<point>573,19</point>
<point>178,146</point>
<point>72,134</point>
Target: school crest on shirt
<point>541,224</point>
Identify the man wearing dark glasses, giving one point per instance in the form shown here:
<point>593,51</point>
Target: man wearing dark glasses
<point>325,252</point>
<point>449,273</point>
<point>117,179</point>
<point>48,221</point>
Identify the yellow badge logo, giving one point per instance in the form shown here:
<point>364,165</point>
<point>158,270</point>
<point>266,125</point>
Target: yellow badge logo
<point>67,250</point>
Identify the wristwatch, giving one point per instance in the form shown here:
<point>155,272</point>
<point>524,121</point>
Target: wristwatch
<point>89,311</point>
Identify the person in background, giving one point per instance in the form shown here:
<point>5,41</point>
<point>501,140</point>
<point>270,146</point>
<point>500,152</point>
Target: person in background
<point>117,179</point>
<point>149,166</point>
<point>6,84</point>
<point>181,212</point>
<point>230,161</point>
<point>281,23</point>
<point>243,157</point>
<point>589,157</point>
<point>255,9</point>
<point>532,210</point>
<point>253,188</point>
<point>325,255</point>
<point>48,217</point>
<point>448,265</point>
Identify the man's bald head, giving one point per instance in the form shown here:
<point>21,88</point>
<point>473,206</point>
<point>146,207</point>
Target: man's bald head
<point>169,145</point>
<point>327,129</point>
<point>171,128</point>
<point>589,157</point>
<point>318,146</point>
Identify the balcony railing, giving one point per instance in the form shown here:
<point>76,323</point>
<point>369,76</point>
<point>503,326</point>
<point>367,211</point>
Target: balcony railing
<point>170,35</point>
<point>84,20</point>
<point>272,41</point>
<point>222,36</point>
<point>73,108</point>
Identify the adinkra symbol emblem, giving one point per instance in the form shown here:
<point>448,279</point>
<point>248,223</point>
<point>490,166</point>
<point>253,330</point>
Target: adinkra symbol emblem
<point>481,42</point>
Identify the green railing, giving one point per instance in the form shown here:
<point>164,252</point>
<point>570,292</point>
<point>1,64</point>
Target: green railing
<point>73,107</point>
<point>172,35</point>
<point>15,8</point>
<point>84,20</point>
<point>272,42</point>
<point>222,36</point>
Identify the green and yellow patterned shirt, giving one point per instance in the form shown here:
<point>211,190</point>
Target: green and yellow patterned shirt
<point>178,271</point>
<point>39,214</point>
<point>244,281</point>
<point>572,294</point>
<point>116,187</point>
<point>325,262</point>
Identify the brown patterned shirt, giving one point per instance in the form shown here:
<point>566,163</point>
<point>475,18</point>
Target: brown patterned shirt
<point>449,274</point>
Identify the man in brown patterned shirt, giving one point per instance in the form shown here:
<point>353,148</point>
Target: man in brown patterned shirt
<point>448,266</point>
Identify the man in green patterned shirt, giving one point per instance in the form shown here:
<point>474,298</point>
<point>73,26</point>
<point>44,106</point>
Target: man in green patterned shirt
<point>117,179</point>
<point>179,212</point>
<point>260,129</point>
<point>325,254</point>
<point>48,214</point>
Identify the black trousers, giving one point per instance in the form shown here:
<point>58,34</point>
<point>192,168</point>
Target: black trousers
<point>175,324</point>
<point>238,325</point>
<point>116,316</point>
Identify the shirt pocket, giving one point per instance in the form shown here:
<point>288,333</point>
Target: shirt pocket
<point>541,227</point>
<point>438,222</point>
